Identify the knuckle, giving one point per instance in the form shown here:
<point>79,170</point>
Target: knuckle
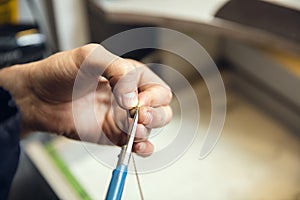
<point>85,50</point>
<point>120,67</point>
<point>81,53</point>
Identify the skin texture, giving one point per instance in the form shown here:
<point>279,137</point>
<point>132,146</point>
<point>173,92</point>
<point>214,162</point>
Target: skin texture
<point>43,91</point>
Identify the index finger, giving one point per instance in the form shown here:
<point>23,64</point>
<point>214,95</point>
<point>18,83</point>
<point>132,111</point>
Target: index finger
<point>154,95</point>
<point>153,91</point>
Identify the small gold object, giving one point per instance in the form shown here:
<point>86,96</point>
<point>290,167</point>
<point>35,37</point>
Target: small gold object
<point>132,111</point>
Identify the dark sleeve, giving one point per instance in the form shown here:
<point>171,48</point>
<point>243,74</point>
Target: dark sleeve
<point>9,141</point>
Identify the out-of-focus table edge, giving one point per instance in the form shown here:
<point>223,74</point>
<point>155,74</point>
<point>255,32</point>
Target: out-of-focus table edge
<point>208,24</point>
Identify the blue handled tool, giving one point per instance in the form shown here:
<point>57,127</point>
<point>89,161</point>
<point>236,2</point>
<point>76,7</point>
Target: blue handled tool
<point>117,181</point>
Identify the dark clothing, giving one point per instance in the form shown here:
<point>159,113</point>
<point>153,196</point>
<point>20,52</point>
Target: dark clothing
<point>9,141</point>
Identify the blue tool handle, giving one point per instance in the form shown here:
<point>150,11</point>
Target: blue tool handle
<point>117,182</point>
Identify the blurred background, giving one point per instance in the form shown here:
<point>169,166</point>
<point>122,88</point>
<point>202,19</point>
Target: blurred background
<point>256,47</point>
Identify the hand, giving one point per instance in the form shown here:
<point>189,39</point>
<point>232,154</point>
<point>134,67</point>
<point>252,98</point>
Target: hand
<point>43,91</point>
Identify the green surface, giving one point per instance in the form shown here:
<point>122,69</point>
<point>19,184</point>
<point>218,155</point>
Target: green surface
<point>66,172</point>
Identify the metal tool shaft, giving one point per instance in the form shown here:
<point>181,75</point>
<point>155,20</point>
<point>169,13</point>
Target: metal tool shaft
<point>117,182</point>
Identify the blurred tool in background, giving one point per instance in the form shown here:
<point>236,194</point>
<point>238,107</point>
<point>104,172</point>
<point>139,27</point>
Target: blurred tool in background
<point>19,42</point>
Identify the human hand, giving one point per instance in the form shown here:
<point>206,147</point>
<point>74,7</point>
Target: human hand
<point>44,92</point>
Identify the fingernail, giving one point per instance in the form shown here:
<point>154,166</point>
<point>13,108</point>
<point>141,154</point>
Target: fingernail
<point>130,100</point>
<point>141,132</point>
<point>141,147</point>
<point>148,118</point>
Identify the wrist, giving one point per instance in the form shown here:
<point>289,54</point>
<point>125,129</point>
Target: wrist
<point>13,79</point>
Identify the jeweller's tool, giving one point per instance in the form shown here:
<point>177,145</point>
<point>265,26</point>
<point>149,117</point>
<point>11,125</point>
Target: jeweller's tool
<point>119,174</point>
